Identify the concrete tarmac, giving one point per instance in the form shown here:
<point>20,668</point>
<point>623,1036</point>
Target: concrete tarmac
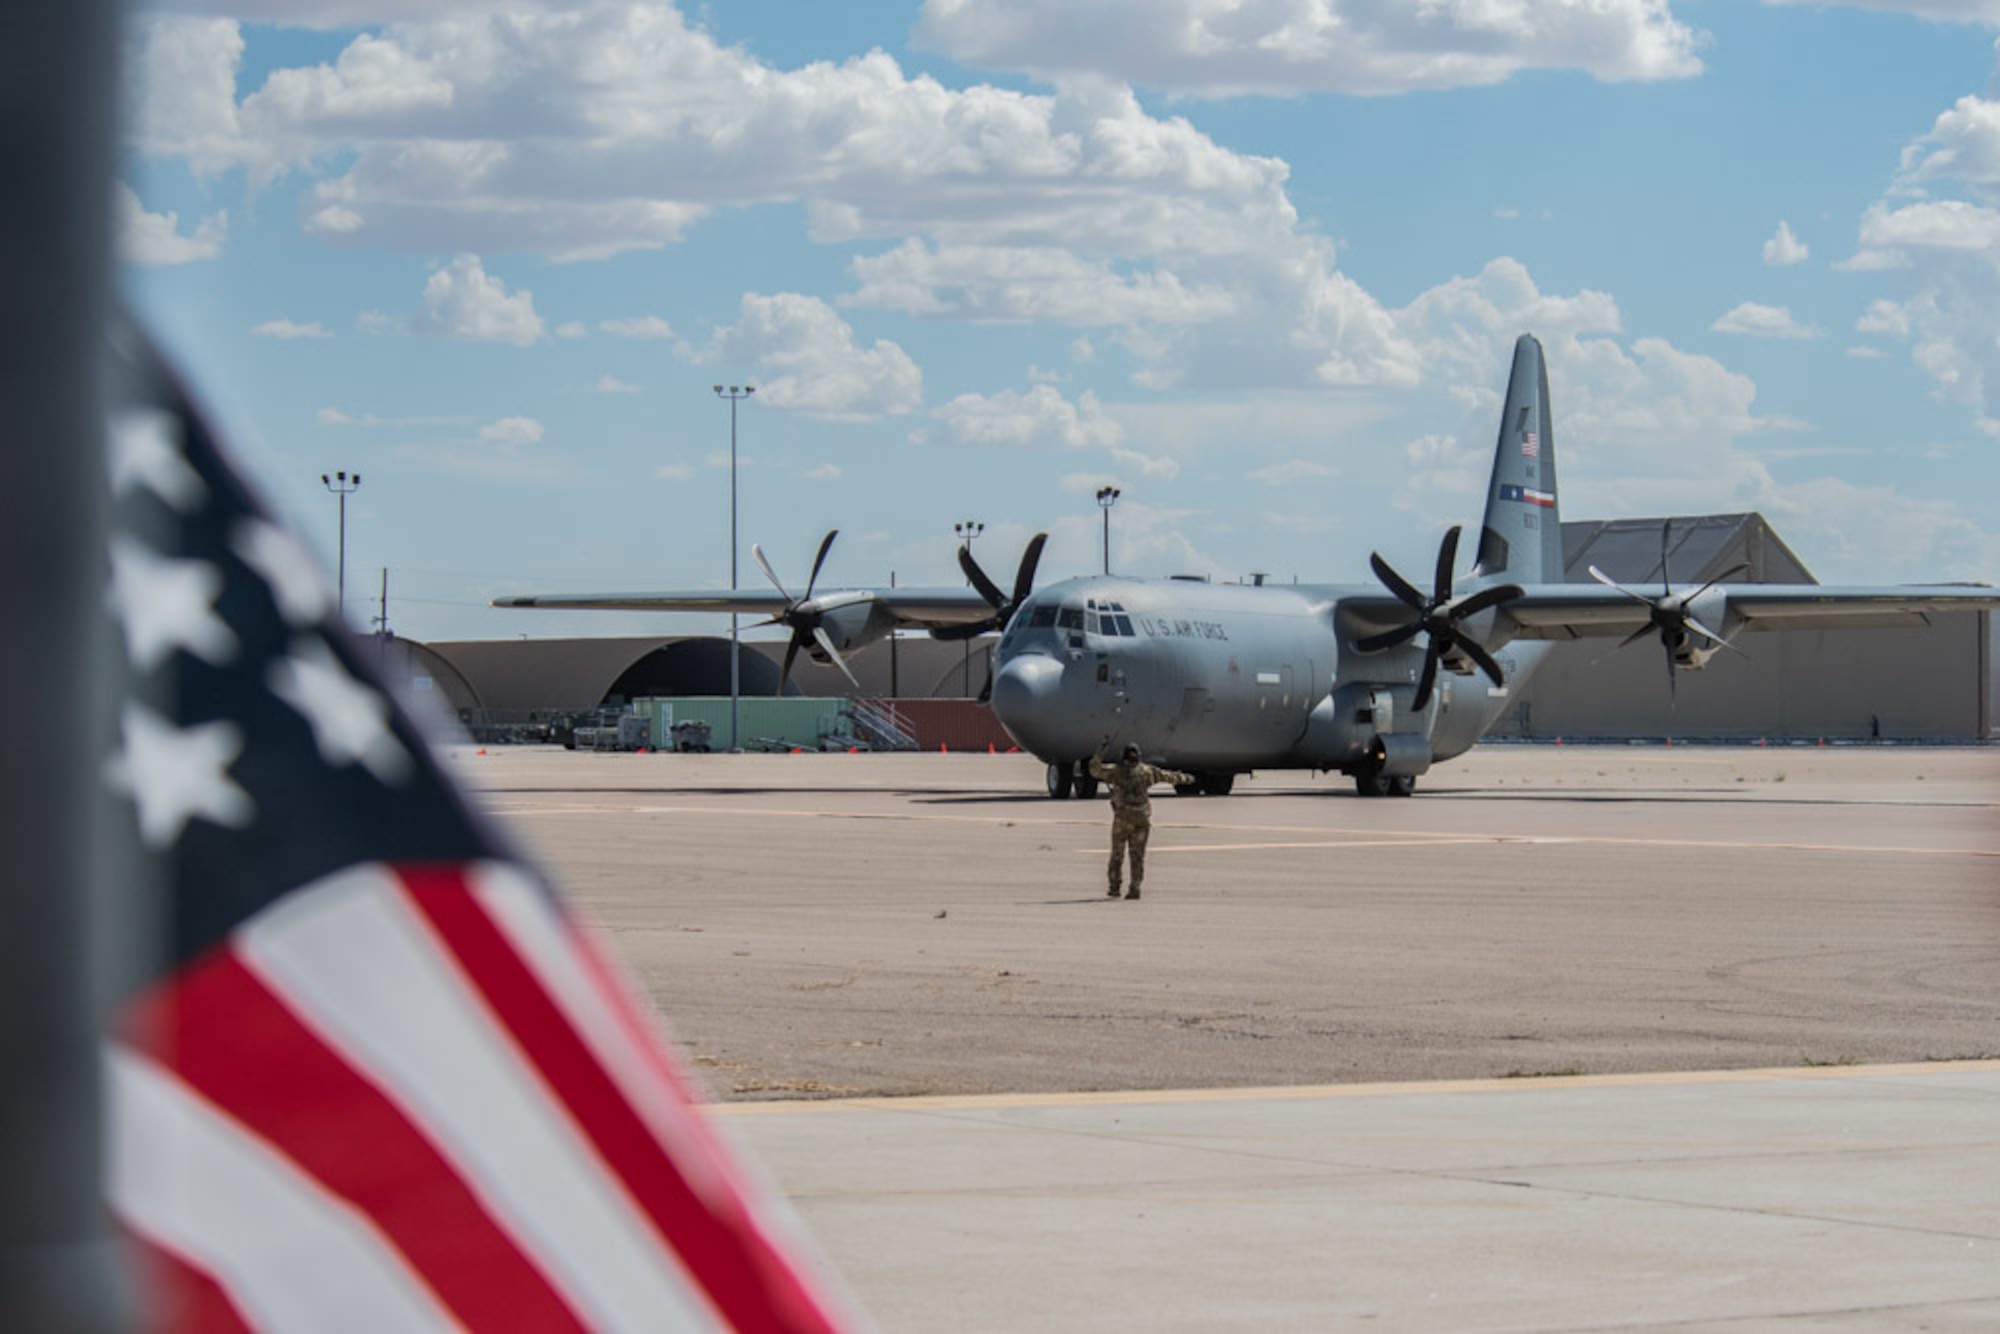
<point>1538,935</point>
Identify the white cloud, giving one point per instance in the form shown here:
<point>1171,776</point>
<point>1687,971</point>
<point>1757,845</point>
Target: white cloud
<point>608,384</point>
<point>1885,317</point>
<point>674,472</point>
<point>285,329</point>
<point>1864,353</point>
<point>572,329</point>
<point>1040,417</point>
<point>1785,248</point>
<point>333,417</point>
<point>825,472</point>
<point>1963,144</point>
<point>183,89</point>
<point>623,125</point>
<point>644,326</point>
<point>1222,48</point>
<point>462,301</point>
<point>1950,224</point>
<point>155,238</point>
<point>811,363</point>
<point>1757,321</point>
<point>511,433</point>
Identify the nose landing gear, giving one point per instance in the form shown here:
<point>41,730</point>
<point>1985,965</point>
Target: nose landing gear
<point>1071,779</point>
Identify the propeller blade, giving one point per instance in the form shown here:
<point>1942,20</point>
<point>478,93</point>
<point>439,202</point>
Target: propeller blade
<point>1712,637</point>
<point>1427,678</point>
<point>1666,588</point>
<point>1447,560</point>
<point>1396,583</point>
<point>1635,636</point>
<point>987,588</point>
<point>1389,638</point>
<point>1024,577</point>
<point>1605,579</point>
<point>785,672</point>
<point>1484,659</point>
<point>986,691</point>
<point>833,654</point>
<point>824,544</point>
<point>757,554</point>
<point>1734,569</point>
<point>1486,597</point>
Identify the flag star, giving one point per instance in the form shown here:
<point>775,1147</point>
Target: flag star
<point>350,720</point>
<point>177,774</point>
<point>165,604</point>
<point>146,451</point>
<point>287,567</point>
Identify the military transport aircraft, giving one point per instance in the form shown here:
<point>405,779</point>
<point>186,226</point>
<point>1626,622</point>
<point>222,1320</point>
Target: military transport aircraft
<point>1379,683</point>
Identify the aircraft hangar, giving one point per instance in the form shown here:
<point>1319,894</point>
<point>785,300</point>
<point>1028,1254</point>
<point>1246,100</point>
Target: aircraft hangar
<point>1910,678</point>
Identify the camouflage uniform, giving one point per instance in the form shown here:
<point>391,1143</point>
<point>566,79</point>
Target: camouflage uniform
<point>1131,810</point>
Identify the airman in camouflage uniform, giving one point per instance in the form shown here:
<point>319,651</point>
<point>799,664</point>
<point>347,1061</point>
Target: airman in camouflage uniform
<point>1131,809</point>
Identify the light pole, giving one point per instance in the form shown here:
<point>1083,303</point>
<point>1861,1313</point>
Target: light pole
<point>1107,496</point>
<point>734,393</point>
<point>343,486</point>
<point>966,531</point>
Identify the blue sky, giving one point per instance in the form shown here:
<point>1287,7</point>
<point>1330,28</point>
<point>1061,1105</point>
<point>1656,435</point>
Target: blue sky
<point>1258,265</point>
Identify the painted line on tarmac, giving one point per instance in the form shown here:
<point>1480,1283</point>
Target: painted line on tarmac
<point>1322,838</point>
<point>1315,1092</point>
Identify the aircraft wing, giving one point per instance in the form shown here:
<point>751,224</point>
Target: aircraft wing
<point>909,608</point>
<point>1584,611</point>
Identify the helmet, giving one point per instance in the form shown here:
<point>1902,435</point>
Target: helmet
<point>1131,751</point>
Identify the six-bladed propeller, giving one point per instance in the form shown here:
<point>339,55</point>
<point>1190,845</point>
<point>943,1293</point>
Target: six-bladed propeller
<point>802,615</point>
<point>1003,605</point>
<point>1670,614</point>
<point>1439,617</point>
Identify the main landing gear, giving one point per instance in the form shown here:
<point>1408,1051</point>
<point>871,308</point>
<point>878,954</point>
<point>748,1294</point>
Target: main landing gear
<point>1370,781</point>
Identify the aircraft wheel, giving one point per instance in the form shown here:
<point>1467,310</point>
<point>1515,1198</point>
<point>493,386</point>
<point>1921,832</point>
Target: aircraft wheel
<point>1086,786</point>
<point>1371,783</point>
<point>1402,785</point>
<point>1217,785</point>
<point>1062,781</point>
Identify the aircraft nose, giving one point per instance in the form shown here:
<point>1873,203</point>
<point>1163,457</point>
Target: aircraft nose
<point>1025,700</point>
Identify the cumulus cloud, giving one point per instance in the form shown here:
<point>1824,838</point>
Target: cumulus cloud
<point>155,238</point>
<point>825,472</point>
<point>1224,48</point>
<point>582,131</point>
<point>461,300</point>
<point>609,384</point>
<point>1043,418</point>
<point>811,363</point>
<point>287,329</point>
<point>1758,321</point>
<point>1785,248</point>
<point>572,329</point>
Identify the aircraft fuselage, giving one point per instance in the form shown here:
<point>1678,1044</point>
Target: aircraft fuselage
<point>1226,678</point>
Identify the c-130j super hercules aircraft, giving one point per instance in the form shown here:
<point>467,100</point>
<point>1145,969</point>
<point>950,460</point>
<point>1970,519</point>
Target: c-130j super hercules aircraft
<point>1378,682</point>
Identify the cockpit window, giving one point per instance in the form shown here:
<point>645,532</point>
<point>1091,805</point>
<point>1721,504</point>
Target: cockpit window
<point>1069,618</point>
<point>1041,617</point>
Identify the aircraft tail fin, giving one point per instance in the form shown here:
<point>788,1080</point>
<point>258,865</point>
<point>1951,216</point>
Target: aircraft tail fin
<point>1522,534</point>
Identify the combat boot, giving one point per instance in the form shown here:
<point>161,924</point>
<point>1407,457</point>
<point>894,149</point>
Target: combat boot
<point>1112,892</point>
<point>1134,894</point>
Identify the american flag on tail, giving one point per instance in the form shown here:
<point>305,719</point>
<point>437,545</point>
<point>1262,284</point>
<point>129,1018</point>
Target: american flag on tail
<point>383,1082</point>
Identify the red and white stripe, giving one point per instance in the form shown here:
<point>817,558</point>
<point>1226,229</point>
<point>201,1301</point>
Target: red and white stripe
<point>415,1097</point>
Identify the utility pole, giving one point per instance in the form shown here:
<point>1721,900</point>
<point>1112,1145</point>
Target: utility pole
<point>735,394</point>
<point>343,486</point>
<point>966,531</point>
<point>1107,496</point>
